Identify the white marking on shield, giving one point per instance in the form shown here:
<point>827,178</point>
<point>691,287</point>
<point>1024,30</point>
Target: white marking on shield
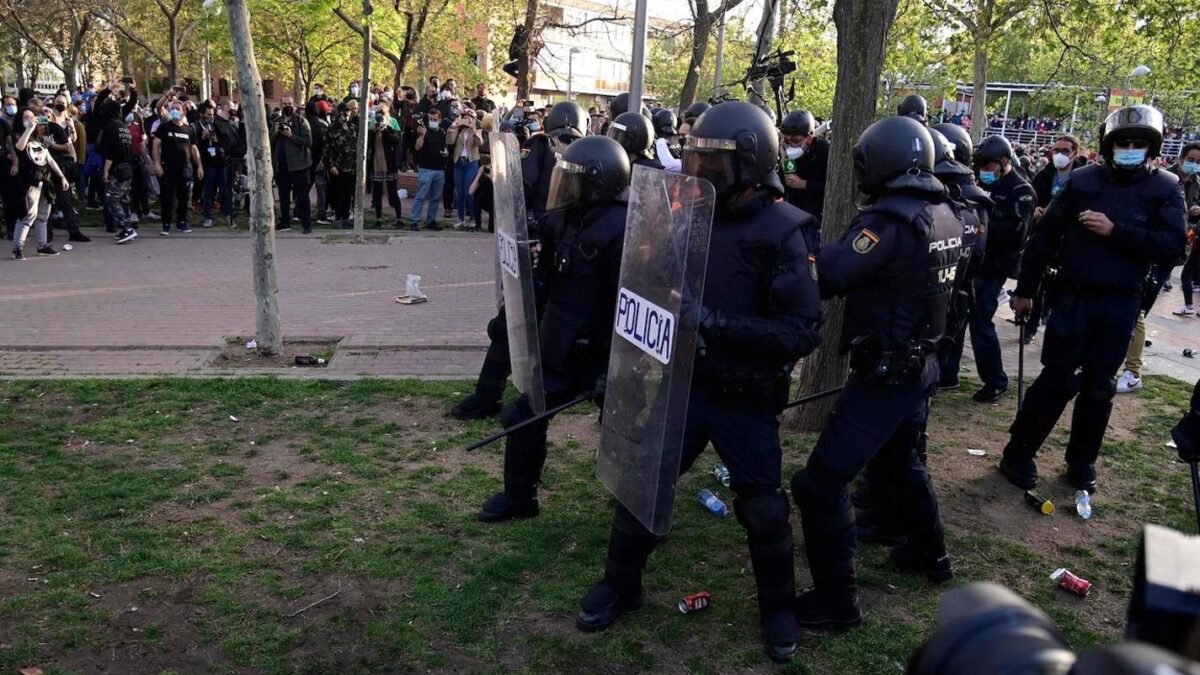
<point>508,255</point>
<point>649,327</point>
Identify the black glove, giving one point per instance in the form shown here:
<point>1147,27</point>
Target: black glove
<point>710,321</point>
<point>598,389</point>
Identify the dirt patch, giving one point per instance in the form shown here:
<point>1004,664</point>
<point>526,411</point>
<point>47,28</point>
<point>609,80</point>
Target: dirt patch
<point>235,355</point>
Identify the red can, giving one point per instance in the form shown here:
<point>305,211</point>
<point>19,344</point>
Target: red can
<point>694,602</point>
<point>1076,584</point>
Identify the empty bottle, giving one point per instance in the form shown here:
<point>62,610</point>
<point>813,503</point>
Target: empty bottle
<point>713,503</point>
<point>1083,504</point>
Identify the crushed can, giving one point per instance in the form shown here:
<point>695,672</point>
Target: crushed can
<point>1039,502</point>
<point>720,473</point>
<point>694,602</point>
<point>1065,579</point>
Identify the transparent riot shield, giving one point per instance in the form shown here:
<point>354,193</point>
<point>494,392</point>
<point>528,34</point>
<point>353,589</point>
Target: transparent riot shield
<point>516,266</point>
<point>654,341</point>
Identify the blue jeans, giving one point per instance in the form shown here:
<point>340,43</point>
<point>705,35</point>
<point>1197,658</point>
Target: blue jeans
<point>984,341</point>
<point>464,174</point>
<point>429,189</point>
<point>216,182</point>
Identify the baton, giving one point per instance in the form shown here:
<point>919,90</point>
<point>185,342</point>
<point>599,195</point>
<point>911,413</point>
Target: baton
<point>1196,491</point>
<point>814,397</point>
<point>536,418</point>
<point>1021,367</point>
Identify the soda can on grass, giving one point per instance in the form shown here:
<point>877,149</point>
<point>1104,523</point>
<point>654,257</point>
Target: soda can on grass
<point>694,602</point>
<point>1065,579</point>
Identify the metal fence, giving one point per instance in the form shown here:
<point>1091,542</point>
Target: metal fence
<point>1171,147</point>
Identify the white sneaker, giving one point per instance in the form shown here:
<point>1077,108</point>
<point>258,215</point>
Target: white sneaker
<point>207,222</point>
<point>1186,310</point>
<point>1128,383</point>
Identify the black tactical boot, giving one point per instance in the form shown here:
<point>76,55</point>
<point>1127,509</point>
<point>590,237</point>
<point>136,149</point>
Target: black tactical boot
<point>502,507</point>
<point>1020,472</point>
<point>935,565</point>
<point>473,407</point>
<point>603,604</point>
<point>826,614</point>
<point>1082,476</point>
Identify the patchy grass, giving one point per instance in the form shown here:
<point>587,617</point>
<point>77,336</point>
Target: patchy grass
<point>145,530</point>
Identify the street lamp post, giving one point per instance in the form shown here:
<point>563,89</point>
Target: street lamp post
<point>211,9</point>
<point>571,72</point>
<point>1140,71</point>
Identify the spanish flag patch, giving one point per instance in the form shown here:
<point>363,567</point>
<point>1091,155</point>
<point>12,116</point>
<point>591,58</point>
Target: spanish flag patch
<point>865,241</point>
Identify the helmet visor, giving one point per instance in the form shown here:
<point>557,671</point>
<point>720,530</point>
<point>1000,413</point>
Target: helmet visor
<point>712,159</point>
<point>567,186</point>
<point>625,136</point>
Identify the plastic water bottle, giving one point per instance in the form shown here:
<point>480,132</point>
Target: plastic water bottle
<point>712,502</point>
<point>1083,504</point>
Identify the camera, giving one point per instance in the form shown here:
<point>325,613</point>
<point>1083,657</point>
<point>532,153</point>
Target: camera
<point>420,118</point>
<point>127,80</point>
<point>771,66</point>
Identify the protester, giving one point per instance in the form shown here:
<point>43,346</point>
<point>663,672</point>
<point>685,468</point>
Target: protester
<point>38,178</point>
<point>115,146</point>
<point>175,155</point>
<point>1187,169</point>
<point>481,100</point>
<point>431,160</point>
<point>319,122</point>
<point>340,155</point>
<point>383,148</point>
<point>465,141</point>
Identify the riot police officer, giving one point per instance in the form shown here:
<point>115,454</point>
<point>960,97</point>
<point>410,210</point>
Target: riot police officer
<point>895,266</point>
<point>565,122</point>
<point>1105,228</point>
<point>689,117</point>
<point>805,162</point>
<point>914,106</point>
<point>956,174</point>
<point>760,315</point>
<point>1013,203</point>
<point>581,256</point>
<point>666,142</point>
<point>634,133</point>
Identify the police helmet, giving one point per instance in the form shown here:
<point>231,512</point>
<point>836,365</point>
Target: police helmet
<point>798,123</point>
<point>1137,122</point>
<point>945,163</point>
<point>566,121</point>
<point>620,104</point>
<point>914,106</point>
<point>960,139</point>
<point>992,149</point>
<point>665,123</point>
<point>590,172</point>
<point>633,132</point>
<point>695,110</point>
<point>734,146</point>
<point>895,152</point>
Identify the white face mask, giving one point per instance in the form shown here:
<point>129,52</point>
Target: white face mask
<point>794,153</point>
<point>1061,161</point>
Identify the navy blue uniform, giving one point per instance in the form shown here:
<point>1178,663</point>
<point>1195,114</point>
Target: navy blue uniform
<point>895,266</point>
<point>1008,223</point>
<point>537,164</point>
<point>975,209</point>
<point>1095,300</point>
<point>763,310</point>
<point>582,257</point>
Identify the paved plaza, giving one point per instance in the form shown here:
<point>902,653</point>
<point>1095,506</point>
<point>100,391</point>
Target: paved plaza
<point>168,306</point>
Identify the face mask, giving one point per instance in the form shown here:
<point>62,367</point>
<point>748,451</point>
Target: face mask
<point>288,110</point>
<point>534,126</point>
<point>129,118</point>
<point>433,125</point>
<point>794,153</point>
<point>987,177</point>
<point>10,109</point>
<point>1191,168</point>
<point>317,91</point>
<point>354,91</point>
<point>60,107</point>
<point>176,115</point>
<point>1061,161</point>
<point>1129,157</point>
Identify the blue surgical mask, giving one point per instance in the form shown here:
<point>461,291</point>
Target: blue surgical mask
<point>1191,168</point>
<point>434,125</point>
<point>176,114</point>
<point>987,177</point>
<point>534,126</point>
<point>1129,157</point>
<point>10,110</point>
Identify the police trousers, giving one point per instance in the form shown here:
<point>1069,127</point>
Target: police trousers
<point>1087,334</point>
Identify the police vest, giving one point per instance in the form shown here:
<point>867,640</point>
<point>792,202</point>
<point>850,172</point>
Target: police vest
<point>586,260</point>
<point>911,308</point>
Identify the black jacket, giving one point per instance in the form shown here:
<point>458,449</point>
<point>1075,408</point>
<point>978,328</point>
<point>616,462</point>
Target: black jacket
<point>1008,224</point>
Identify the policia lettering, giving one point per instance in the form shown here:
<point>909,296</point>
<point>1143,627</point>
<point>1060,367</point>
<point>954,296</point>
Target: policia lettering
<point>648,326</point>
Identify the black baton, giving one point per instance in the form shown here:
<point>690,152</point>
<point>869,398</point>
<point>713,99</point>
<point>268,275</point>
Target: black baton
<point>536,418</point>
<point>814,397</point>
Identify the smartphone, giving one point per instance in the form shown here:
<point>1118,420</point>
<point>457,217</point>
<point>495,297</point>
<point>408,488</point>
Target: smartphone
<point>43,120</point>
<point>127,80</point>
<point>529,104</point>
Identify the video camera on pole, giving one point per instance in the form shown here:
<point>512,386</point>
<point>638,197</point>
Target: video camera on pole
<point>773,68</point>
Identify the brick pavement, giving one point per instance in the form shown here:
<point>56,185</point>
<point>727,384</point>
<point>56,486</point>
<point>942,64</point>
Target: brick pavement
<point>166,306</point>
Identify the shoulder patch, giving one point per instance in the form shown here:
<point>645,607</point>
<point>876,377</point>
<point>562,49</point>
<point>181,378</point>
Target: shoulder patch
<point>524,153</point>
<point>865,241</point>
<point>812,267</point>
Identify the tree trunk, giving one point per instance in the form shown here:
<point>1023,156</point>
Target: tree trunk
<point>979,91</point>
<point>360,178</point>
<point>701,32</point>
<point>862,32</point>
<point>525,66</point>
<point>19,64</point>
<point>173,36</point>
<point>258,152</point>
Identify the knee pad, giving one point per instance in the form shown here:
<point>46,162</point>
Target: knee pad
<point>1097,388</point>
<point>813,489</point>
<point>763,513</point>
<point>516,412</point>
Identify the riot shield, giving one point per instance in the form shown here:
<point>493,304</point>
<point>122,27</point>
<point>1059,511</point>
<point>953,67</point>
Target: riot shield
<point>516,266</point>
<point>654,341</point>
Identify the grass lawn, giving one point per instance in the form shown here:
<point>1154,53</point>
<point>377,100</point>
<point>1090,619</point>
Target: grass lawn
<point>144,530</point>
